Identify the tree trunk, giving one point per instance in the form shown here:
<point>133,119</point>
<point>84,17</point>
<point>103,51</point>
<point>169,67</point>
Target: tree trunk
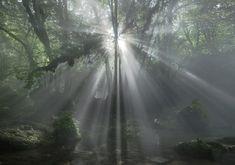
<point>112,131</point>
<point>37,20</point>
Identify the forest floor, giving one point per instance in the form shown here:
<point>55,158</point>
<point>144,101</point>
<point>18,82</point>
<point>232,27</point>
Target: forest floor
<point>24,146</point>
<point>36,158</point>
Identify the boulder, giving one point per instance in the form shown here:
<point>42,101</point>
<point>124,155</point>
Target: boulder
<point>20,138</point>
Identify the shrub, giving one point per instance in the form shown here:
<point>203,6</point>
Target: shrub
<point>65,131</point>
<point>201,149</point>
<point>194,116</point>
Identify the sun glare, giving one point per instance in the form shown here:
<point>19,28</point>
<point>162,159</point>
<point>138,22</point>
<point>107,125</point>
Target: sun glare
<point>122,42</point>
<point>109,41</point>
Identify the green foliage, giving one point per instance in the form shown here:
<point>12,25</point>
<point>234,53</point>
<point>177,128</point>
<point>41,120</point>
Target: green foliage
<point>66,131</point>
<point>201,149</point>
<point>24,137</point>
<point>180,28</point>
<point>14,105</point>
<point>194,117</point>
<point>198,109</point>
<point>205,26</point>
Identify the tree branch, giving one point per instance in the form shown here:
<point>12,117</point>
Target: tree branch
<point>26,47</point>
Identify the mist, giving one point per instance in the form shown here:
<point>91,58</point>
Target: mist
<point>116,82</point>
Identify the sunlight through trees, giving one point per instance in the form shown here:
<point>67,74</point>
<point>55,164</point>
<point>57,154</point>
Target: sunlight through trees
<point>117,82</point>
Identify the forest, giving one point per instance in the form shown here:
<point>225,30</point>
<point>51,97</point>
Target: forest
<point>117,82</point>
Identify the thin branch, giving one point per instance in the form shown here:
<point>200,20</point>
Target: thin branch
<point>26,47</point>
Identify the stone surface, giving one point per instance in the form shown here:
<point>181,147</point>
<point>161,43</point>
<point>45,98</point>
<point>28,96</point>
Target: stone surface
<point>159,160</point>
<point>193,162</point>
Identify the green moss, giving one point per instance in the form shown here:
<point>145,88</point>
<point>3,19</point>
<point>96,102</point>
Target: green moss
<point>227,140</point>
<point>20,138</point>
<point>201,149</point>
<point>194,117</point>
<point>66,132</point>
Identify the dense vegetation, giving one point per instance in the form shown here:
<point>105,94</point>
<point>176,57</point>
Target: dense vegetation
<point>39,35</point>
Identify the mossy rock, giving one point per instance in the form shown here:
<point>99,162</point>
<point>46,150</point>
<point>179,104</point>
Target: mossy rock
<point>194,117</point>
<point>201,149</point>
<point>20,138</point>
<point>227,140</point>
<point>66,131</point>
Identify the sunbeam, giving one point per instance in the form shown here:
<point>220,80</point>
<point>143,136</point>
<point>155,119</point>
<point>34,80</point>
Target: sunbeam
<point>116,82</point>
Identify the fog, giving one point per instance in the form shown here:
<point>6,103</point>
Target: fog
<point>116,82</point>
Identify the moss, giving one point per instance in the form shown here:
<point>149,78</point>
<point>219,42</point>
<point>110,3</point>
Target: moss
<point>227,140</point>
<point>66,132</point>
<point>20,138</point>
<point>194,117</point>
<point>201,149</point>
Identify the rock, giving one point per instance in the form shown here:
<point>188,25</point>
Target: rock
<point>231,148</point>
<point>65,132</point>
<point>14,139</point>
<point>159,160</point>
<point>201,149</point>
<point>193,162</point>
<point>26,127</point>
<point>66,163</point>
<point>227,140</point>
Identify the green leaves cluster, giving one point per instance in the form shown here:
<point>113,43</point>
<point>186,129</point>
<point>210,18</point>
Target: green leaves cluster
<point>66,131</point>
